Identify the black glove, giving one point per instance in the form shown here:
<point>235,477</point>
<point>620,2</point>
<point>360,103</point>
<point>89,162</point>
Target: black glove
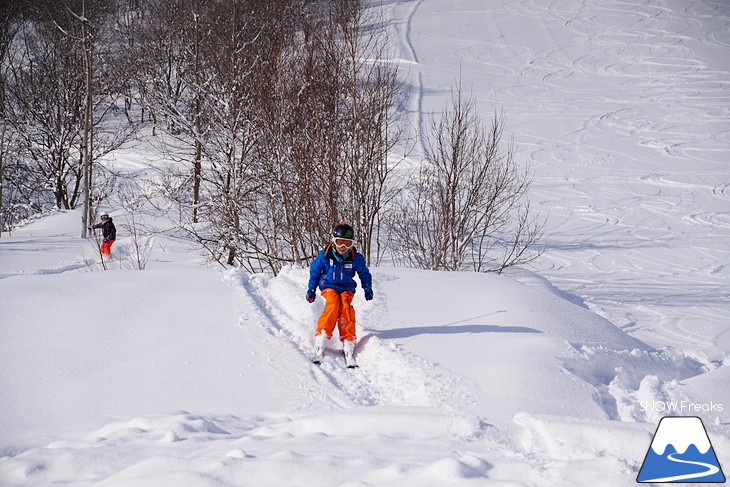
<point>311,295</point>
<point>368,295</point>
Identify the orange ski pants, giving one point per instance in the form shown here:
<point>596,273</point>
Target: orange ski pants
<point>106,247</point>
<point>338,311</point>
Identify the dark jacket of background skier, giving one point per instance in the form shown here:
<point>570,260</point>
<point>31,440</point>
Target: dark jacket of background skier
<point>108,230</point>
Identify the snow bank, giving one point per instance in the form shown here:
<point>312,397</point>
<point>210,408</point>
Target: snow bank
<point>84,347</point>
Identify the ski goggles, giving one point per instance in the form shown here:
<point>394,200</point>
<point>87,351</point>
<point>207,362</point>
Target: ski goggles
<point>343,242</point>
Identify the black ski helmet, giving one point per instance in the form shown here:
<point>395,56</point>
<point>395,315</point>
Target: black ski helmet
<point>343,230</point>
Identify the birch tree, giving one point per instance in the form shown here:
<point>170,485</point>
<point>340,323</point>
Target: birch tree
<point>55,103</point>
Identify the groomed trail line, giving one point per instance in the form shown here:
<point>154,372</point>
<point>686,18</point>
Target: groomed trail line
<point>389,375</point>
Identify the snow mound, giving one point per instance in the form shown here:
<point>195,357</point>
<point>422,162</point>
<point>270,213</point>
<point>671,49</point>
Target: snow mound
<point>190,450</point>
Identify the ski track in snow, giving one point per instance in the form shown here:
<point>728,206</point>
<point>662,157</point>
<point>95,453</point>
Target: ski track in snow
<point>404,31</point>
<point>648,270</point>
<point>388,374</point>
<point>664,114</point>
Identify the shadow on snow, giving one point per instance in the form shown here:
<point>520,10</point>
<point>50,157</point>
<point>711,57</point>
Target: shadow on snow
<point>447,329</point>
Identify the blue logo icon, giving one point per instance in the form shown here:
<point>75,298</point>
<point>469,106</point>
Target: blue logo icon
<point>681,452</point>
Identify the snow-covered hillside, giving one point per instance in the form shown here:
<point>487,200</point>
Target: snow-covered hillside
<point>187,375</point>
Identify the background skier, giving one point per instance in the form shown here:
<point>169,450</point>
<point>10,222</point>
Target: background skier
<point>108,231</point>
<point>333,271</point>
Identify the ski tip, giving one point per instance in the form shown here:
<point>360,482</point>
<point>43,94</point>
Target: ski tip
<point>353,366</point>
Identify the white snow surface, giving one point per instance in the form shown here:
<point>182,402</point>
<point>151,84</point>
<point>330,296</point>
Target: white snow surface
<point>185,374</point>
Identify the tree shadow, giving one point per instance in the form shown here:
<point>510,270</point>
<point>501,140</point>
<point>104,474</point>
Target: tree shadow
<point>453,328</point>
<point>447,330</point>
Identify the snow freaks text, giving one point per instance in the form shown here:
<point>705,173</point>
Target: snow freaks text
<point>680,407</point>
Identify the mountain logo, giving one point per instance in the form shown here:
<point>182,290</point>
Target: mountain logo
<point>681,452</point>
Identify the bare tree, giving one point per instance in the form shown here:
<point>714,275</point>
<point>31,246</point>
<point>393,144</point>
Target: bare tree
<point>132,199</point>
<point>44,106</point>
<point>371,129</point>
<point>277,118</point>
<point>168,45</point>
<point>8,29</point>
<point>327,127</point>
<point>56,104</point>
<point>467,208</point>
<point>23,191</point>
<point>297,117</point>
<point>218,62</point>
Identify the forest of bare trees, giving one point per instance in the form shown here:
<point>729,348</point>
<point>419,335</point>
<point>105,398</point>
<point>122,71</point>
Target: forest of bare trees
<point>274,118</point>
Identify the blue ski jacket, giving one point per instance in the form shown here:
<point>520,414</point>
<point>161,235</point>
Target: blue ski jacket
<point>333,271</point>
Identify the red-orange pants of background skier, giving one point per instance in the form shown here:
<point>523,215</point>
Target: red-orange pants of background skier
<point>339,312</point>
<point>106,247</point>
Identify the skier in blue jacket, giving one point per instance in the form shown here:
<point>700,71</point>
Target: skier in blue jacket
<point>333,271</point>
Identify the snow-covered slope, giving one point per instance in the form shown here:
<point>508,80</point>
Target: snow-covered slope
<point>187,375</point>
<point>621,107</point>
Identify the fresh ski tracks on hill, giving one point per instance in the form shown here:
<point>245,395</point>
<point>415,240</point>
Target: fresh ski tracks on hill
<point>388,374</point>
